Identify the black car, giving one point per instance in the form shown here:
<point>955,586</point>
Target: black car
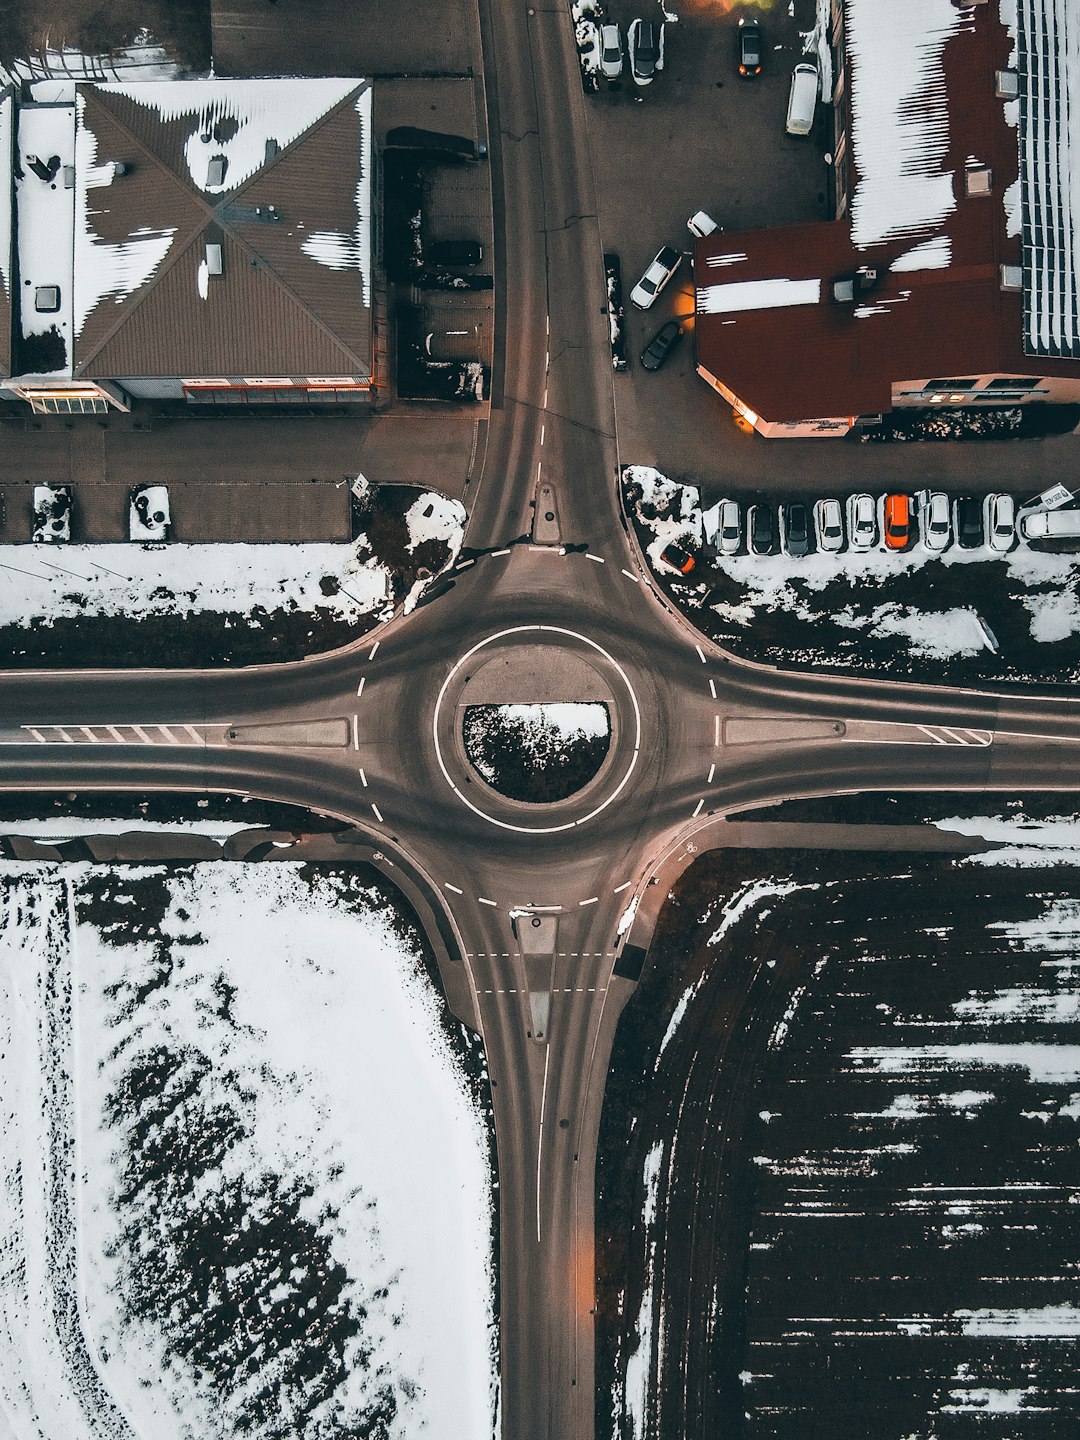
<point>661,345</point>
<point>968,517</point>
<point>749,48</point>
<point>455,252</point>
<point>761,529</point>
<point>796,530</point>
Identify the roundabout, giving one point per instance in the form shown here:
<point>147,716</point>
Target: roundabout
<point>537,716</point>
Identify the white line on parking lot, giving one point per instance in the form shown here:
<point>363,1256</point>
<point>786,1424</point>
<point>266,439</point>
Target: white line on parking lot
<point>360,687</point>
<point>378,812</point>
<point>599,559</point>
<point>697,809</point>
<point>371,652</point>
<point>634,578</point>
<point>701,654</point>
<point>454,888</point>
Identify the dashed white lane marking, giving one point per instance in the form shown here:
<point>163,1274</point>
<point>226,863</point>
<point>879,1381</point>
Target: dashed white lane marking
<point>464,564</point>
<point>634,578</point>
<point>516,955</point>
<point>716,730</point>
<point>454,888</point>
<point>360,687</point>
<point>374,648</point>
<point>377,812</point>
<point>500,552</point>
<point>493,903</point>
<point>597,559</point>
<point>558,990</point>
<point>592,900</point>
<point>356,732</point>
<point>697,809</point>
<point>540,1138</point>
<point>701,654</point>
<point>712,688</point>
<point>363,778</point>
<point>542,430</point>
<point>712,772</point>
<point>624,886</point>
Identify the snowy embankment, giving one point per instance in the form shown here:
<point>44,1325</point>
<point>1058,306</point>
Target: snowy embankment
<point>339,582</point>
<point>1048,585</point>
<point>246,1183</point>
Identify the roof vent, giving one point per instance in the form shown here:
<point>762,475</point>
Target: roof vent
<point>272,148</point>
<point>120,167</point>
<point>978,180</point>
<point>1007,84</point>
<point>213,260</point>
<point>215,170</point>
<point>47,299</point>
<point>1012,277</point>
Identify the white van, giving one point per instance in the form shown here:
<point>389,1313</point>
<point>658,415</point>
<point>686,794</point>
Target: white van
<point>701,224</point>
<point>1051,525</point>
<point>802,101</point>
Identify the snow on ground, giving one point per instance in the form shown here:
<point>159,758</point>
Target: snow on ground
<point>435,517</point>
<point>1026,842</point>
<point>49,832</point>
<point>276,1218</point>
<point>779,583</point>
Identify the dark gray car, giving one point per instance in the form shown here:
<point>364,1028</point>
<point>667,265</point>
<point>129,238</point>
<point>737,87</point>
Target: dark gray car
<point>795,530</point>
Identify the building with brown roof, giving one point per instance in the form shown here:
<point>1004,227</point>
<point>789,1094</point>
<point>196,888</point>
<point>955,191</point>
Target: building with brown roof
<point>950,276</point>
<point>209,240</point>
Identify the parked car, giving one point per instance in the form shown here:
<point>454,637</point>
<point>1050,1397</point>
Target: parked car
<point>730,536</point>
<point>611,52</point>
<point>660,270</point>
<point>749,48</point>
<point>678,559</point>
<point>935,522</point>
<point>897,522</point>
<point>829,524</point>
<point>794,530</point>
<point>455,252</point>
<point>646,41</point>
<point>1051,525</point>
<point>967,519</point>
<point>862,522</point>
<point>802,100</point>
<point>661,345</point>
<point>52,514</point>
<point>149,516</point>
<point>701,224</point>
<point>1000,520</point>
<point>761,529</point>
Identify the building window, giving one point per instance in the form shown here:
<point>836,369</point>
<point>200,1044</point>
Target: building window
<point>950,385</point>
<point>1012,382</point>
<point>68,404</point>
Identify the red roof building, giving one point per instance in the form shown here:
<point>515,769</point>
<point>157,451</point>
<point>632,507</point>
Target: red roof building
<point>945,281</point>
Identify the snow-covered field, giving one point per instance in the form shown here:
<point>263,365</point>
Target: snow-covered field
<point>246,1187</point>
<point>844,588</point>
<point>342,582</point>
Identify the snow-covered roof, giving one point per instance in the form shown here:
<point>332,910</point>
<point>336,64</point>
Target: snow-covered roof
<point>7,228</point>
<point>1048,66</point>
<point>757,295</point>
<point>900,116</point>
<point>45,211</point>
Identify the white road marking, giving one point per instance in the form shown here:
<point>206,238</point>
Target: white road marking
<point>542,429</point>
<point>454,888</point>
<point>540,1141</point>
<point>115,733</point>
<point>356,732</point>
<point>189,728</point>
<point>624,886</point>
<point>166,732</point>
<point>141,734</point>
<point>89,734</point>
<point>64,735</point>
<point>378,812</point>
<point>701,654</point>
<point>493,903</point>
<point>697,809</point>
<point>712,772</point>
<point>591,901</point>
<point>599,559</point>
<point>360,687</point>
<point>634,578</point>
<point>36,734</point>
<point>712,688</point>
<point>716,730</point>
<point>464,564</point>
<point>374,648</point>
<point>500,552</point>
<point>363,778</point>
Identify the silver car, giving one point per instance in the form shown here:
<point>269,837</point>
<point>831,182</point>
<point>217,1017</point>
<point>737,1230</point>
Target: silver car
<point>829,524</point>
<point>1000,522</point>
<point>862,522</point>
<point>730,532</point>
<point>936,521</point>
<point>611,52</point>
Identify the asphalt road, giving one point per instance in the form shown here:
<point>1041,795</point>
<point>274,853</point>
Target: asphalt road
<point>371,733</point>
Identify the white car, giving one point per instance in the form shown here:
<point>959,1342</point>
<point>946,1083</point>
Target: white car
<point>611,52</point>
<point>646,43</point>
<point>661,268</point>
<point>829,524</point>
<point>935,521</point>
<point>999,522</point>
<point>862,522</point>
<point>730,530</point>
<point>701,224</point>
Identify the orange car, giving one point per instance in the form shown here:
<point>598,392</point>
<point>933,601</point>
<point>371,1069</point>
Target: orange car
<point>897,521</point>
